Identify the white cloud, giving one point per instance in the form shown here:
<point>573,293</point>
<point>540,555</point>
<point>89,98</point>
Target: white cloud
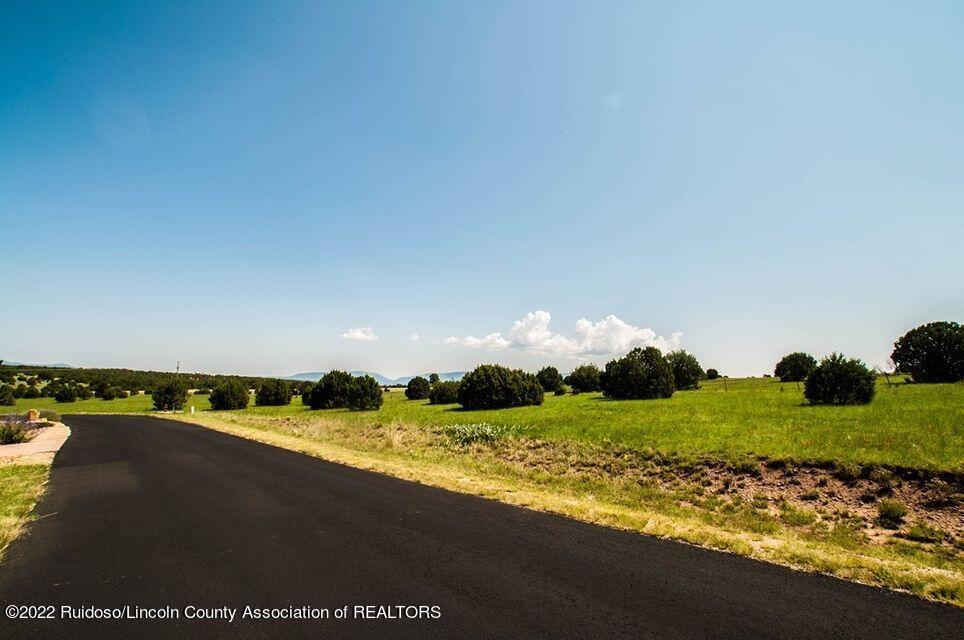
<point>413,337</point>
<point>614,101</point>
<point>609,336</point>
<point>364,334</point>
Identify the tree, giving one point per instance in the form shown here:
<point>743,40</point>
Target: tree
<point>273,393</point>
<point>492,386</point>
<point>66,393</point>
<point>365,394</point>
<point>794,367</point>
<point>687,371</point>
<point>584,379</point>
<point>932,352</point>
<point>32,392</point>
<point>19,390</point>
<point>230,394</point>
<point>6,396</point>
<point>446,392</point>
<point>839,380</point>
<point>418,388</point>
<point>331,392</point>
<point>108,394</point>
<point>433,378</point>
<point>712,374</point>
<point>550,379</point>
<point>170,395</point>
<point>641,373</point>
<point>84,392</point>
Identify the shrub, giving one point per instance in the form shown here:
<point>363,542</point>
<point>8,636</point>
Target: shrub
<point>50,414</point>
<point>492,386</point>
<point>712,374</point>
<point>932,352</point>
<point>434,379</point>
<point>121,393</point>
<point>795,367</point>
<point>549,379</point>
<point>32,392</point>
<point>418,388</point>
<point>230,394</point>
<point>444,393</point>
<point>584,378</point>
<point>331,392</point>
<point>561,391</point>
<point>641,373</point>
<point>84,392</point>
<point>108,394</point>
<point>923,532</point>
<point>839,380</point>
<point>687,371</point>
<point>19,390</point>
<point>66,394</point>
<point>890,513</point>
<point>169,396</point>
<point>13,432</point>
<point>273,393</point>
<point>365,394</point>
<point>482,432</point>
<point>6,396</point>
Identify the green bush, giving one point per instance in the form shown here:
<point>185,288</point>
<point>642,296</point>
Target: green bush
<point>50,414</point>
<point>932,352</point>
<point>492,386</point>
<point>365,394</point>
<point>273,393</point>
<point>230,394</point>
<point>13,432</point>
<point>418,388</point>
<point>712,374</point>
<point>839,380</point>
<point>84,392</point>
<point>687,371</point>
<point>640,374</point>
<point>482,432</point>
<point>795,367</point>
<point>434,379</point>
<point>561,391</point>
<point>108,394</point>
<point>66,394</point>
<point>584,379</point>
<point>169,396</point>
<point>6,396</point>
<point>444,393</point>
<point>32,392</point>
<point>549,379</point>
<point>890,513</point>
<point>331,392</point>
<point>19,390</point>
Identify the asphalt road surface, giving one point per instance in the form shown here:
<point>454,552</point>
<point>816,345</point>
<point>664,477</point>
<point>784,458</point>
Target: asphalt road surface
<point>147,513</point>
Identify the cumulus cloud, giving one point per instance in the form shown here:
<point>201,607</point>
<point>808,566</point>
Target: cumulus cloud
<point>413,337</point>
<point>364,334</point>
<point>609,336</point>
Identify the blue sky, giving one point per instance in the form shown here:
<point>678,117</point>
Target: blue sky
<point>239,185</point>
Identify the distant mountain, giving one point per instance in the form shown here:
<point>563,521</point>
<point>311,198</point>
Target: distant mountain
<point>55,365</point>
<point>315,376</point>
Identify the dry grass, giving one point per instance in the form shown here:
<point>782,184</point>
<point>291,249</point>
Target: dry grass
<point>21,485</point>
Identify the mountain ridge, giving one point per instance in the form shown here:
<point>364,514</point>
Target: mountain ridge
<point>314,376</point>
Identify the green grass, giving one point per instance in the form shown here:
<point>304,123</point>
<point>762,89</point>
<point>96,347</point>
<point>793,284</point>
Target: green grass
<point>20,487</point>
<point>910,425</point>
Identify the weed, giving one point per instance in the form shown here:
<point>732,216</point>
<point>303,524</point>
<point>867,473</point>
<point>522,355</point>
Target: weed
<point>890,513</point>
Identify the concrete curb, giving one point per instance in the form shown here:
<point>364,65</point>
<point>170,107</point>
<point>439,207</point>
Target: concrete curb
<point>40,450</point>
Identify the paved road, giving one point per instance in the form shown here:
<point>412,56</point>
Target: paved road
<point>154,513</point>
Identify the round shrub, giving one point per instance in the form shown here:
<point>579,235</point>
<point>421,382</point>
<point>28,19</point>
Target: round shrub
<point>641,373</point>
<point>19,390</point>
<point>794,367</point>
<point>712,374</point>
<point>932,352</point>
<point>549,379</point>
<point>331,392</point>
<point>108,394</point>
<point>31,392</point>
<point>66,394</point>
<point>839,380</point>
<point>434,379</point>
<point>492,386</point>
<point>584,379</point>
<point>6,396</point>
<point>444,393</point>
<point>365,394</point>
<point>84,393</point>
<point>122,393</point>
<point>273,393</point>
<point>169,396</point>
<point>687,371</point>
<point>230,394</point>
<point>418,388</point>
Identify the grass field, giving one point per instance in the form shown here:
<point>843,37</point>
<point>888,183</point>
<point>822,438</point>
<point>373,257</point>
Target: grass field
<point>919,426</point>
<point>20,487</point>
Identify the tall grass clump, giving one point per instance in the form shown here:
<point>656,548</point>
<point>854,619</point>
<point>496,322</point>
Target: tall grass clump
<point>479,432</point>
<point>12,432</point>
